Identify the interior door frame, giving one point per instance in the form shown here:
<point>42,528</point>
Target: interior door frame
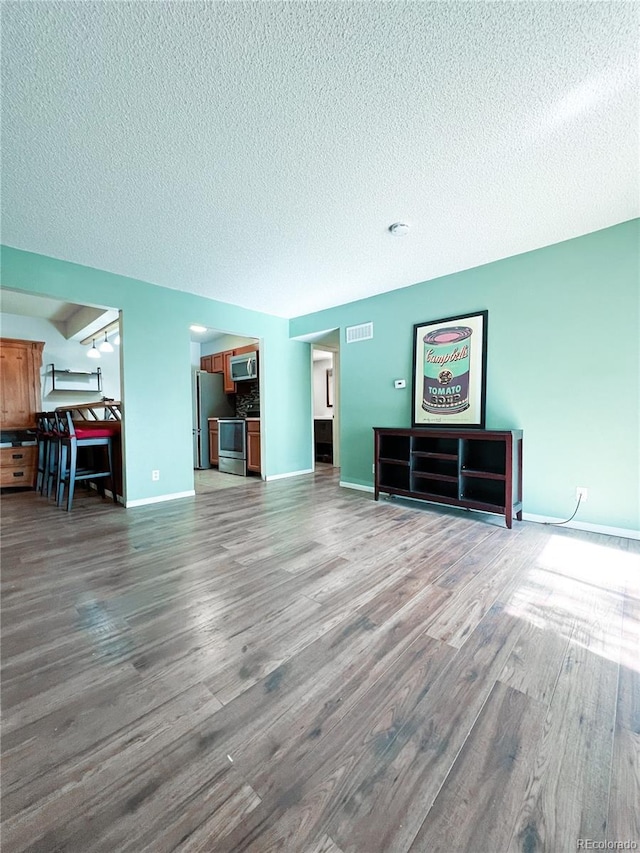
<point>335,353</point>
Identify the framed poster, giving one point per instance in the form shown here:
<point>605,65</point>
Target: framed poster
<point>450,371</point>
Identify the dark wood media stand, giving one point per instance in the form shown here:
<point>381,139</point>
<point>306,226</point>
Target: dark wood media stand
<point>474,469</point>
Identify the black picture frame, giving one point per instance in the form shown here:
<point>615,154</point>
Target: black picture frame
<point>450,357</point>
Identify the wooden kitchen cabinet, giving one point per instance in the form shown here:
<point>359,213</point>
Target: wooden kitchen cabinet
<point>253,446</point>
<point>17,466</point>
<point>20,363</point>
<point>214,459</point>
<point>219,362</point>
<point>229,385</point>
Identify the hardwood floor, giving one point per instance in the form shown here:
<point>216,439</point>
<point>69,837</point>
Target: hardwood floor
<point>293,667</point>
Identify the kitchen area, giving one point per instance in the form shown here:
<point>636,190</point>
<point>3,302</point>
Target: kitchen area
<point>226,408</point>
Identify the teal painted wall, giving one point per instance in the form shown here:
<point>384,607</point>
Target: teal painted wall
<point>563,365</point>
<point>156,365</point>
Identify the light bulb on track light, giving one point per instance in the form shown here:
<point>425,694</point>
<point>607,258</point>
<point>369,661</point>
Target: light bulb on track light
<point>105,346</point>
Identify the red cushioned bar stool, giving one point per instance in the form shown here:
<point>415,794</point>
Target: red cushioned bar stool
<point>92,446</point>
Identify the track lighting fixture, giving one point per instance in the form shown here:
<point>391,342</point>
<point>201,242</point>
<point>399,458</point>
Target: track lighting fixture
<point>105,346</point>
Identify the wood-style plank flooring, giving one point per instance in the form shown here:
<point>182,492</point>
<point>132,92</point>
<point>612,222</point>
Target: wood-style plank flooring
<point>293,667</point>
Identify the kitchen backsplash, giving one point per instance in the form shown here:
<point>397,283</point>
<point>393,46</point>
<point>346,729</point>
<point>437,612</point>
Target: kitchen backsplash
<point>247,400</point>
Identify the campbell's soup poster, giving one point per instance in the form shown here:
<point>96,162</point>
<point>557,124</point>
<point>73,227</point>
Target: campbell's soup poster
<point>449,366</point>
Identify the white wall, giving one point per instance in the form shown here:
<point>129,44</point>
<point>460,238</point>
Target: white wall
<point>320,408</point>
<point>69,355</point>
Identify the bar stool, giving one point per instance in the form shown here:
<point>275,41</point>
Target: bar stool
<point>50,483</point>
<point>44,434</point>
<point>73,438</point>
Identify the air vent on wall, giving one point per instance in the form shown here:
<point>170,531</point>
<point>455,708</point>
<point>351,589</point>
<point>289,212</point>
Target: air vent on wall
<point>355,334</point>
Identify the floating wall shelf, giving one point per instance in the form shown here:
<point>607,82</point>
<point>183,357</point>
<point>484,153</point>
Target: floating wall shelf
<point>75,380</point>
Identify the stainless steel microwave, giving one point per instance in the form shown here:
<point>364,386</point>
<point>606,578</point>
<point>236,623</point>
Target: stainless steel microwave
<point>244,366</point>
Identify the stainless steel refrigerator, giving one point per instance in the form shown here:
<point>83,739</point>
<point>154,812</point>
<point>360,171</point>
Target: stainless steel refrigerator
<point>209,401</point>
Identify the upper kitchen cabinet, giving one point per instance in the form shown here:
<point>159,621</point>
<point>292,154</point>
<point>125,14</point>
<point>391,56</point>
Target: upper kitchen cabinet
<point>229,385</point>
<point>241,350</point>
<point>220,362</point>
<point>19,382</point>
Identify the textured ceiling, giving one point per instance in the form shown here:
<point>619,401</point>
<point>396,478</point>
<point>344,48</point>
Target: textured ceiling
<point>257,152</point>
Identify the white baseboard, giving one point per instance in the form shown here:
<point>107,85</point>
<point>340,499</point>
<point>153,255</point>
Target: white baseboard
<point>160,499</point>
<point>290,474</point>
<point>625,532</point>
<point>356,486</point>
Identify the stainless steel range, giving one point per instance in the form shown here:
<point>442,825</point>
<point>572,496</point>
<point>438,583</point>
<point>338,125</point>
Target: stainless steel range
<point>232,446</point>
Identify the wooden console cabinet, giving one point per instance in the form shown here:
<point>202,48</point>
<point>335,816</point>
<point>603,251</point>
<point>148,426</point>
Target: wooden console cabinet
<point>474,469</point>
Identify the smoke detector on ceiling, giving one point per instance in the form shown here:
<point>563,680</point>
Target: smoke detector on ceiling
<point>399,229</point>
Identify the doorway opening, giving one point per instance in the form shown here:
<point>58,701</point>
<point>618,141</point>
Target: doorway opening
<point>226,416</point>
<point>81,369</point>
<point>325,381</point>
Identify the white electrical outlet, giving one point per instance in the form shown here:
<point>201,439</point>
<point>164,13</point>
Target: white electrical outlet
<point>155,475</point>
<point>582,494</point>
<point>373,468</point>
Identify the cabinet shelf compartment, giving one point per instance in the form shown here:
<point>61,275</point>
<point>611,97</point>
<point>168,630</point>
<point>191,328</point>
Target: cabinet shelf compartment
<point>434,444</point>
<point>395,447</point>
<point>86,381</point>
<point>452,456</point>
<point>434,465</point>
<point>483,490</point>
<point>482,475</point>
<point>434,488</point>
<point>483,455</point>
<point>429,475</point>
<point>393,475</point>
